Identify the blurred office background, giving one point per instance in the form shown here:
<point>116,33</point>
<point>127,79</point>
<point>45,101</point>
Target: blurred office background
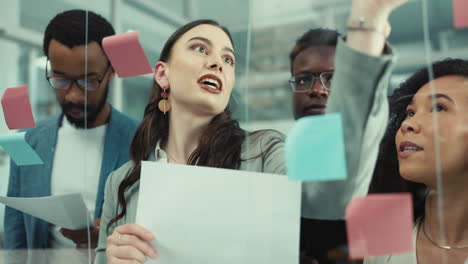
<point>264,33</point>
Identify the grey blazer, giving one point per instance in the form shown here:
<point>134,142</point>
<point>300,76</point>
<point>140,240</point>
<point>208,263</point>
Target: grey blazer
<point>359,92</point>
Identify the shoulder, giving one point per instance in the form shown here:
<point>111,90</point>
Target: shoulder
<point>123,121</point>
<point>117,176</point>
<point>263,151</point>
<point>262,139</point>
<point>43,127</point>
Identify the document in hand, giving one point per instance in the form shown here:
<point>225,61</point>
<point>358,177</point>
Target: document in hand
<point>68,211</point>
<point>203,215</point>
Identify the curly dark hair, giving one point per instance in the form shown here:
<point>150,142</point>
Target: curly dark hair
<point>70,28</point>
<point>314,37</point>
<point>387,178</point>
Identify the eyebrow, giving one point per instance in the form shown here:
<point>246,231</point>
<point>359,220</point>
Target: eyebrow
<point>207,41</point>
<point>80,76</point>
<point>436,96</point>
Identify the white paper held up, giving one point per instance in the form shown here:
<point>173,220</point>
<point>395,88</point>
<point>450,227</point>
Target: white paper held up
<point>203,215</point>
<point>68,211</point>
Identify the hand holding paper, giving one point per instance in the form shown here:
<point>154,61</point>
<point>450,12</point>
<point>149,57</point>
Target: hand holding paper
<point>17,108</point>
<point>205,215</point>
<point>135,239</point>
<point>68,211</point>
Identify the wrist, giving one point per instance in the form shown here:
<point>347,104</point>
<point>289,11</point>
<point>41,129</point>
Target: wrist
<point>364,24</point>
<point>370,11</point>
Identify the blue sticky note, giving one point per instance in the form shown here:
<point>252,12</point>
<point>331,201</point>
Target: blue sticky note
<point>19,150</point>
<point>315,149</point>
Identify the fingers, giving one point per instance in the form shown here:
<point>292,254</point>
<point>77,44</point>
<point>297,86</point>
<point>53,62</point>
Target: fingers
<point>124,254</point>
<point>76,235</point>
<point>136,230</point>
<point>131,240</point>
<point>388,30</point>
<point>97,223</point>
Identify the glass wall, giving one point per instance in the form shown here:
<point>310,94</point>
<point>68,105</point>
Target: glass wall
<point>271,64</point>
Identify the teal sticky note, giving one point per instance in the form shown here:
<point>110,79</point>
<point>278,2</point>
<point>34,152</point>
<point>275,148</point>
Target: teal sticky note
<point>315,149</point>
<point>19,150</point>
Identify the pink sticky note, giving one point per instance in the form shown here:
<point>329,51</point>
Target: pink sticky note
<point>379,224</point>
<point>460,13</point>
<point>126,54</point>
<point>17,108</point>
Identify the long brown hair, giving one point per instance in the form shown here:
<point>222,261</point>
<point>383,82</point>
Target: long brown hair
<point>219,145</point>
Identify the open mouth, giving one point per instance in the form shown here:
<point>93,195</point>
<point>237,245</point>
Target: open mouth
<point>211,83</point>
<point>407,148</point>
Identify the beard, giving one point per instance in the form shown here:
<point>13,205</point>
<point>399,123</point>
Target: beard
<point>76,115</point>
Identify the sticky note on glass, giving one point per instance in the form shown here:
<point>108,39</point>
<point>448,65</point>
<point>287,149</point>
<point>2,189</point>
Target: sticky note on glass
<point>126,54</point>
<point>379,224</point>
<point>460,13</point>
<point>315,149</point>
<point>17,108</point>
<point>19,150</point>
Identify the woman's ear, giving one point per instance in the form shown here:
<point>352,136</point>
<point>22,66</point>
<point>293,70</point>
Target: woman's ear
<point>160,75</point>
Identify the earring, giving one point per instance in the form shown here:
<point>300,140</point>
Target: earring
<point>164,105</point>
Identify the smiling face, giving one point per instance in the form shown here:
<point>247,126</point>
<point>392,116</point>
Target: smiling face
<point>200,72</point>
<point>415,139</point>
<point>312,60</point>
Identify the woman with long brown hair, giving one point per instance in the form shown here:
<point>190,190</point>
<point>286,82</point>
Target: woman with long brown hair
<point>187,120</point>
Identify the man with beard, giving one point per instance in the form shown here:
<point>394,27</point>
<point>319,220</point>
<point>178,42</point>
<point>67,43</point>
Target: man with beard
<point>80,146</point>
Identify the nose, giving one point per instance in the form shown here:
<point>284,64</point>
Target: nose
<point>214,63</point>
<point>317,90</point>
<point>74,94</point>
<point>410,125</point>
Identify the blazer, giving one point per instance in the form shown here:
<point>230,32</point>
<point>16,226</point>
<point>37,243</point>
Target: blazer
<point>359,93</point>
<point>23,231</point>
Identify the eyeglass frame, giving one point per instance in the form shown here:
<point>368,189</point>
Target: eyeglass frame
<point>292,82</point>
<point>72,81</point>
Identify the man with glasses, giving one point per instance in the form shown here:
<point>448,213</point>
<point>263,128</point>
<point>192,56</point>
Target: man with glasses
<point>312,67</point>
<point>81,145</point>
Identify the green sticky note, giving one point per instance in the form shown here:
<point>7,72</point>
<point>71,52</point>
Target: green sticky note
<point>315,149</point>
<point>19,150</point>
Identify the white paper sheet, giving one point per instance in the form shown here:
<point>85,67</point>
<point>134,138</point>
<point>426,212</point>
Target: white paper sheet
<point>68,211</point>
<point>203,215</point>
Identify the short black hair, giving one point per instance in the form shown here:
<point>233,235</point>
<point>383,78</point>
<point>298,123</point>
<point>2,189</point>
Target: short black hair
<point>387,178</point>
<point>69,28</point>
<point>314,37</point>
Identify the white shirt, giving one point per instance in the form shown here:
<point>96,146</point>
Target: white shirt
<point>76,169</point>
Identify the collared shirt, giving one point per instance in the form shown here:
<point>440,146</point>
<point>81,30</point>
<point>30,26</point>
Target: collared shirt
<point>159,154</point>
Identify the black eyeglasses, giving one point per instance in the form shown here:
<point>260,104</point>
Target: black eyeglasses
<point>62,83</point>
<point>303,82</point>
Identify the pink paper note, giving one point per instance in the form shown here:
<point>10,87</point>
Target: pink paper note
<point>460,13</point>
<point>17,108</point>
<point>379,224</point>
<point>126,54</point>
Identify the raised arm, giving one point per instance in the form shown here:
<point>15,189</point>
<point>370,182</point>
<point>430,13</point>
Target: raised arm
<point>363,65</point>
